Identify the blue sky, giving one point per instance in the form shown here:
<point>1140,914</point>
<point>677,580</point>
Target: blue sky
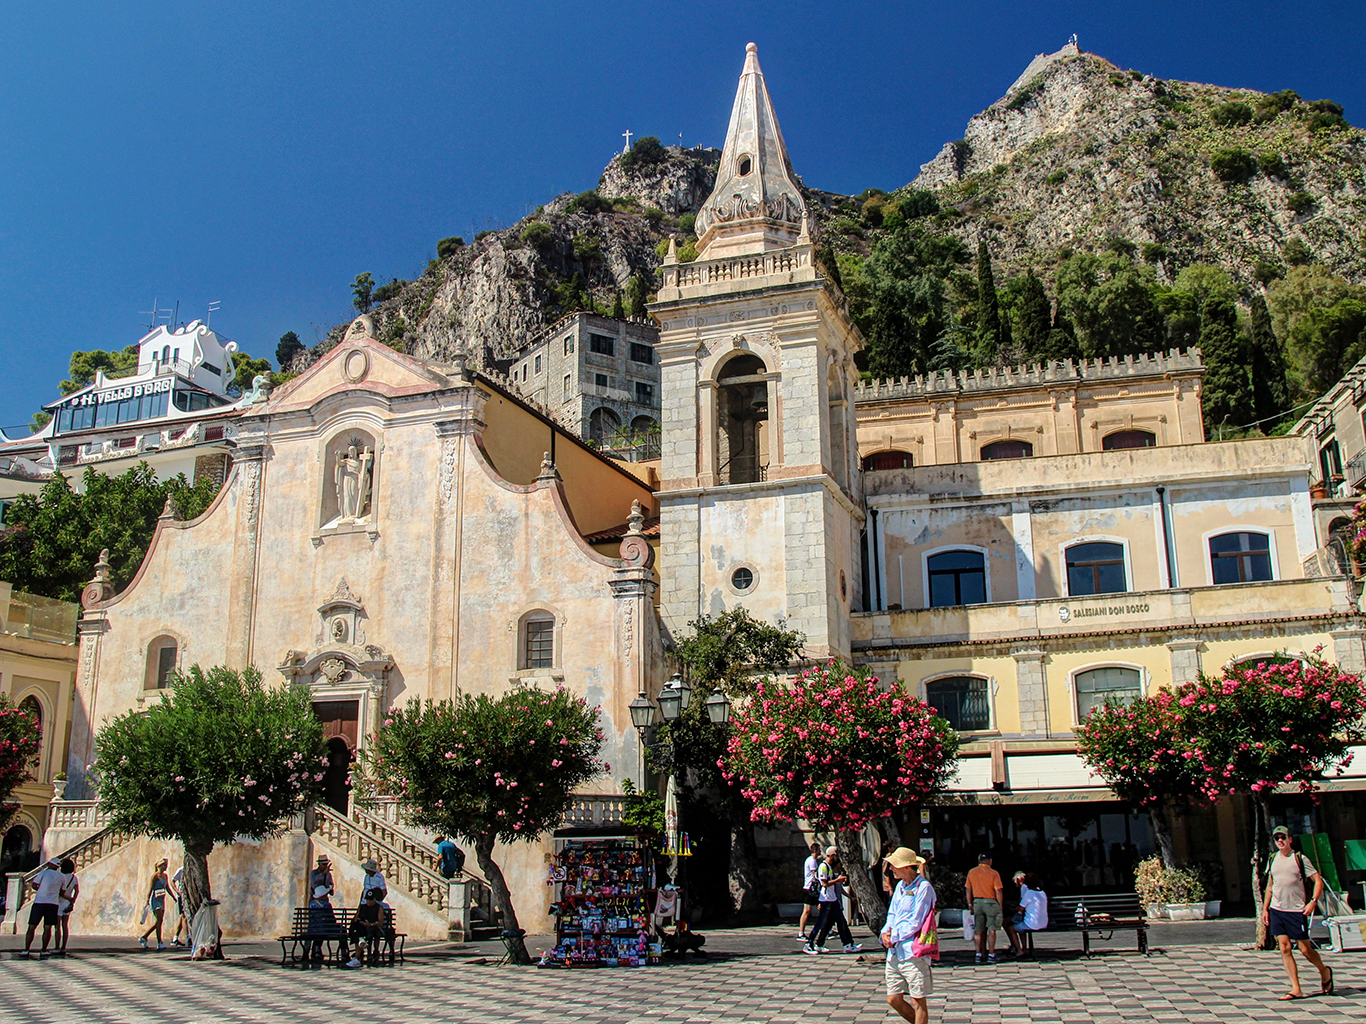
<point>263,154</point>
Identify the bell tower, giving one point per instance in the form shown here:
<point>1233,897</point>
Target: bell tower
<point>760,502</point>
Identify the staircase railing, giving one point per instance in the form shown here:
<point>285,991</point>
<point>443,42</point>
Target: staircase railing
<point>380,824</point>
<point>355,839</point>
<point>86,852</point>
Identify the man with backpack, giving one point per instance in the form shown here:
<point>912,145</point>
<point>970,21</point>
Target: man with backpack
<point>1288,907</point>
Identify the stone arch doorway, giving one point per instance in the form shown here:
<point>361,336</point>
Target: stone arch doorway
<point>16,851</point>
<point>340,720</point>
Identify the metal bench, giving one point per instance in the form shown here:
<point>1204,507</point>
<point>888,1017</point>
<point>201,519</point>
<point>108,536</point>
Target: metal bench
<point>1106,912</point>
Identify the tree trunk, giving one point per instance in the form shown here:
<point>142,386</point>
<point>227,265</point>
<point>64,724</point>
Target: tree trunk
<point>502,900</point>
<point>743,878</point>
<point>1162,831</point>
<point>1261,826</point>
<point>194,885</point>
<point>890,832</point>
<point>869,896</point>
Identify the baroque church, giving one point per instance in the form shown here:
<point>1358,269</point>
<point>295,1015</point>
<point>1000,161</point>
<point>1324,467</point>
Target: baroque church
<point>1011,545</point>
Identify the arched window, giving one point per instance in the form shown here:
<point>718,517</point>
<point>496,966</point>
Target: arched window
<point>602,425</point>
<point>1010,448</point>
<point>537,641</point>
<point>1240,557</point>
<point>1096,567</point>
<point>1128,439</point>
<point>163,656</point>
<point>957,577</point>
<point>961,701</point>
<point>1098,685</point>
<point>30,706</point>
<point>16,849</point>
<point>742,420</point>
<point>889,459</point>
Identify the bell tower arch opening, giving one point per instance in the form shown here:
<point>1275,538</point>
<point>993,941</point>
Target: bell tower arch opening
<point>742,421</point>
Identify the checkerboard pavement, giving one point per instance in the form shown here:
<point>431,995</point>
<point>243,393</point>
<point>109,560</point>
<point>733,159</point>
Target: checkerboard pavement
<point>1211,985</point>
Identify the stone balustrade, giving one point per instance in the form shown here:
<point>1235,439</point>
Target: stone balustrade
<point>595,809</point>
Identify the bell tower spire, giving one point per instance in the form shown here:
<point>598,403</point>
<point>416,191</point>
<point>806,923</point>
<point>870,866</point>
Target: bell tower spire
<point>756,204</point>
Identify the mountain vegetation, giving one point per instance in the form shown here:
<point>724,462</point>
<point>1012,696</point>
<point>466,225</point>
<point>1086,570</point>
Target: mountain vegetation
<point>1091,212</point>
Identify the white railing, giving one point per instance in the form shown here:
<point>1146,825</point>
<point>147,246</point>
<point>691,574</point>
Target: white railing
<point>77,815</point>
<point>783,261</point>
<point>358,841</point>
<point>594,809</point>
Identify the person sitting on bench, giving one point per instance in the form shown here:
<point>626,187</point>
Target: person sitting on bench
<point>322,920</point>
<point>1032,912</point>
<point>369,925</point>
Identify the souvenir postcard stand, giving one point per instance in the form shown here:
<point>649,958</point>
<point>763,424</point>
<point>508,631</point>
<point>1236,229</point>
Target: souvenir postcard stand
<point>604,890</point>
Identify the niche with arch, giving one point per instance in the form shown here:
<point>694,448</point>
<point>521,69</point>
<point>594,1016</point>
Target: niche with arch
<point>163,658</point>
<point>348,484</point>
<point>742,432</point>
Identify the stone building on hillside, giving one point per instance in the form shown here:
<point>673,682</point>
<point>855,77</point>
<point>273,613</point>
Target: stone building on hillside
<point>598,376</point>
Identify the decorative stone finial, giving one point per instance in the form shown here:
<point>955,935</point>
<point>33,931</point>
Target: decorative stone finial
<point>804,236</point>
<point>635,520</point>
<point>751,47</point>
<point>99,588</point>
<point>169,511</point>
<point>671,256</point>
<point>548,470</point>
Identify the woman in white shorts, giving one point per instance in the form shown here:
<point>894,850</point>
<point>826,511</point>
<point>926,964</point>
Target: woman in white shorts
<point>909,979</point>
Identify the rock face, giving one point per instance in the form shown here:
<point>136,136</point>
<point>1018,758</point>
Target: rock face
<point>677,186</point>
<point>1081,154</point>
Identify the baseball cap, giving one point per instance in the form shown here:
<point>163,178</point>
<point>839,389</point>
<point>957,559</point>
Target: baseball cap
<point>831,851</point>
<point>904,857</point>
<point>1279,830</point>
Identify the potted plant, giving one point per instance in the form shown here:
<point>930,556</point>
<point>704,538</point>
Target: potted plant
<point>1176,894</point>
<point>1150,884</point>
<point>59,786</point>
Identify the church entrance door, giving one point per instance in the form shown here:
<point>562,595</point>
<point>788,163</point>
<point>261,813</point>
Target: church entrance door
<point>340,720</point>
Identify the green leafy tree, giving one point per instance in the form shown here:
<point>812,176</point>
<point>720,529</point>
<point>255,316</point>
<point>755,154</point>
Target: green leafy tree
<point>488,769</point>
<point>906,309</point>
<point>637,294</point>
<point>1033,315</point>
<point>219,757</point>
<point>39,421</point>
<point>449,246</point>
<point>51,540</point>
<point>644,154</point>
<point>84,364</point>
<point>1233,166</point>
<point>289,347</point>
<point>385,292</point>
<point>1110,302</point>
<point>989,333</point>
<point>618,307</point>
<point>1318,317</point>
<point>362,291</point>
<point>1270,387</point>
<point>245,370</point>
<point>1232,113</point>
<point>837,750</point>
<point>1226,394</point>
<point>536,233</point>
<point>20,744</point>
<point>731,653</point>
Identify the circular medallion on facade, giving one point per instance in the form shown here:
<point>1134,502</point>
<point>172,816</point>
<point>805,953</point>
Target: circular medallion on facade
<point>1064,613</point>
<point>356,365</point>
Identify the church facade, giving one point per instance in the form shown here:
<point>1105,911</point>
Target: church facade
<point>1012,546</point>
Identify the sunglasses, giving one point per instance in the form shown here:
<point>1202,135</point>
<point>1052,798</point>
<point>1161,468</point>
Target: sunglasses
<point>1282,838</point>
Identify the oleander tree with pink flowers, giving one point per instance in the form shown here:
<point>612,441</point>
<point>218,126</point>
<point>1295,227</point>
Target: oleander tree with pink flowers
<point>220,756</point>
<point>833,747</point>
<point>20,741</point>
<point>488,769</point>
<point>1254,728</point>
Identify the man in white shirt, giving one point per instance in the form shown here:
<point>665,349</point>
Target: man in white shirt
<point>909,983</point>
<point>1288,906</point>
<point>810,888</point>
<point>47,885</point>
<point>831,878</point>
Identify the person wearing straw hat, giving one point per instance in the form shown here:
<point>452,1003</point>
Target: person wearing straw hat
<point>907,974</point>
<point>322,875</point>
<point>374,881</point>
<point>1288,907</point>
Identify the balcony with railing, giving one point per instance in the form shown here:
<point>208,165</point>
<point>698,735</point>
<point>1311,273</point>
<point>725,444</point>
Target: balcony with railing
<point>37,618</point>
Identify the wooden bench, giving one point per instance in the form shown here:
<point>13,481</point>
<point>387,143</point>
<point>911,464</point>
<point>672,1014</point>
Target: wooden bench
<point>312,929</point>
<point>1106,912</point>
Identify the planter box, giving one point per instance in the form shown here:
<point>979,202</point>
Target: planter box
<point>1213,908</point>
<point>790,911</point>
<point>1186,911</point>
<point>1157,912</point>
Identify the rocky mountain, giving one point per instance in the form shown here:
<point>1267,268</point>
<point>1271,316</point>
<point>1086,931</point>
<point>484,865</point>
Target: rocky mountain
<point>1078,154</point>
<point>1081,154</point>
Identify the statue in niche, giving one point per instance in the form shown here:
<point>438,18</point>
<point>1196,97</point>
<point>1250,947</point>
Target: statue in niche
<point>352,477</point>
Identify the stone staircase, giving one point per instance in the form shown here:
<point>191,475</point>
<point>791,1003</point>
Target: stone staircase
<point>462,907</point>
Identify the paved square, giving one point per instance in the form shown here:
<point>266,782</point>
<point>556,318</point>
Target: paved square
<point>1213,985</point>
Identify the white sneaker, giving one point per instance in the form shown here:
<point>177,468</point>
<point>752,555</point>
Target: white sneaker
<point>854,947</point>
<point>143,942</point>
<point>802,936</point>
<point>814,950</point>
<point>353,962</point>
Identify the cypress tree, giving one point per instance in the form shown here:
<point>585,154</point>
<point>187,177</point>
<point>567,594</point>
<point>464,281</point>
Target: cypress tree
<point>1034,317</point>
<point>1227,388</point>
<point>618,309</point>
<point>988,309</point>
<point>1270,390</point>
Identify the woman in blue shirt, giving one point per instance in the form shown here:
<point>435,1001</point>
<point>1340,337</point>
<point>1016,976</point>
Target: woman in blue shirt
<point>909,983</point>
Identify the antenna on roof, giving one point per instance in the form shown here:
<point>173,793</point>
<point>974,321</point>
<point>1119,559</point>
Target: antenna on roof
<point>156,315</point>
<point>213,308</point>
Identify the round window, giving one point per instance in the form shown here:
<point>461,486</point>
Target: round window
<point>742,578</point>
